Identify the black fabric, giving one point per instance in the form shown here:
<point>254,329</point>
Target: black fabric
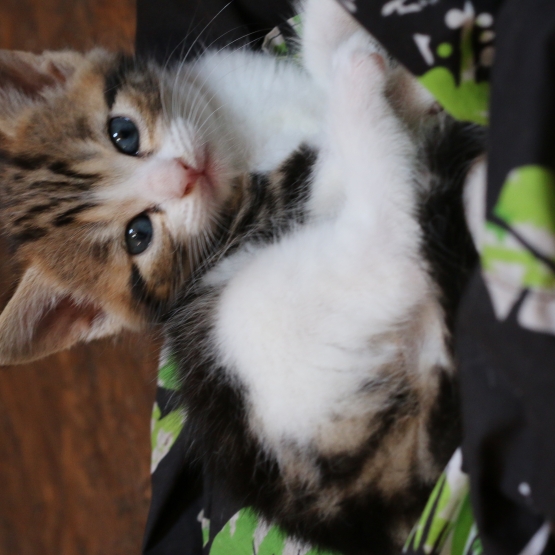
<point>396,24</point>
<point>507,371</point>
<point>182,494</point>
<point>169,29</point>
<point>219,507</point>
<point>499,447</point>
<point>523,89</point>
<point>177,500</point>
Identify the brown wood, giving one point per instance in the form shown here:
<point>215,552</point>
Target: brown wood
<point>38,25</point>
<point>74,428</point>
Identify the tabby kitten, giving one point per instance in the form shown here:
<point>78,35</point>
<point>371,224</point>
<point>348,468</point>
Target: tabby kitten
<point>313,341</point>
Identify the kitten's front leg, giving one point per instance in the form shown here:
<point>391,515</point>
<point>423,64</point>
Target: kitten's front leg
<point>326,25</point>
<point>370,148</point>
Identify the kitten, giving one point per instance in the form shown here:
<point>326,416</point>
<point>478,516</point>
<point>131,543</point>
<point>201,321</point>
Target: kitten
<point>310,329</point>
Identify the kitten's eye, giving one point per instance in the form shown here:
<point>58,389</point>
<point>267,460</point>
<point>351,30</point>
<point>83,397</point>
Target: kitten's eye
<point>124,135</point>
<point>138,234</point>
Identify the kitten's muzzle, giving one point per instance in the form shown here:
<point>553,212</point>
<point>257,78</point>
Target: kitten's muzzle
<point>174,179</point>
<point>191,177</point>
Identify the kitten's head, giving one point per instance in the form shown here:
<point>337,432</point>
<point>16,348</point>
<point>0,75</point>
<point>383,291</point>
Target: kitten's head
<point>113,177</point>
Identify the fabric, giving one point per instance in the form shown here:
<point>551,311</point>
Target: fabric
<point>505,340</point>
<point>183,28</point>
<point>447,526</point>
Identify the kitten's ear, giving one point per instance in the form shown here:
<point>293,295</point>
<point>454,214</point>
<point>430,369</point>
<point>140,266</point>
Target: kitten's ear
<point>41,319</point>
<point>31,75</point>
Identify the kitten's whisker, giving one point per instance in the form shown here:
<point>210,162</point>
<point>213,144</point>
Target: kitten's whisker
<point>197,61</point>
<point>181,43</point>
<point>199,38</point>
<point>216,67</point>
<point>201,128</point>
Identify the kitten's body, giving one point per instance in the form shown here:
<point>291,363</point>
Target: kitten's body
<point>314,354</point>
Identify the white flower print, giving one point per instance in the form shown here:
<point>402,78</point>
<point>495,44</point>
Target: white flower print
<point>455,18</point>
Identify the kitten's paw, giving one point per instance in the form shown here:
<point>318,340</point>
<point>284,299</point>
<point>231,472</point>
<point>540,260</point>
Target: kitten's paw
<point>360,71</point>
<point>359,115</point>
<point>326,25</point>
<point>361,40</point>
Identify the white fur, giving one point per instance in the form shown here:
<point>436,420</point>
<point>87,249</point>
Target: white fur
<point>272,105</point>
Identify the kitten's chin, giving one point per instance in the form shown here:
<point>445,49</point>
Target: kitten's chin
<point>199,213</point>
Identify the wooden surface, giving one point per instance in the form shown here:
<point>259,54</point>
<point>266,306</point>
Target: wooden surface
<point>38,25</point>
<point>74,428</point>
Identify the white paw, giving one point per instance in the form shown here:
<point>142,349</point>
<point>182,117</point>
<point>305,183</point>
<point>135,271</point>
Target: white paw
<point>360,41</point>
<point>360,69</point>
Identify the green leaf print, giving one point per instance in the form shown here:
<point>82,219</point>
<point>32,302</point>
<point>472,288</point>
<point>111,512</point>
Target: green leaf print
<point>467,101</point>
<point>528,197</point>
<point>164,432</point>
<point>167,375</point>
<point>248,534</point>
<point>527,206</point>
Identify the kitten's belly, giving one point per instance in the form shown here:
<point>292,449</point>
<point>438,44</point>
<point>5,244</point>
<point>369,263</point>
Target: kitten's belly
<point>310,336</point>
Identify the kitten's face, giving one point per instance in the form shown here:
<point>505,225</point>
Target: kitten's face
<point>108,197</point>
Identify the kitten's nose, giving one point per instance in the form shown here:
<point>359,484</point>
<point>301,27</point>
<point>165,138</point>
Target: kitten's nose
<point>191,177</point>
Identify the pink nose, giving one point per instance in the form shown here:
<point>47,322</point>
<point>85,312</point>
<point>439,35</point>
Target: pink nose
<point>191,177</point>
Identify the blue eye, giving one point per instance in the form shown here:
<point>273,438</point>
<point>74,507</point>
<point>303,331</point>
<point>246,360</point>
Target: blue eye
<point>124,135</point>
<point>138,234</point>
